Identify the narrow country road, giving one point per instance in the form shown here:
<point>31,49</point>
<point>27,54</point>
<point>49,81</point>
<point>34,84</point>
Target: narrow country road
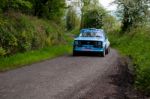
<point>65,77</point>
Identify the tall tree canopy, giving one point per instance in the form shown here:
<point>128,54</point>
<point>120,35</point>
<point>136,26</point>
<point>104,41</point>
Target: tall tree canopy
<point>21,5</point>
<point>72,19</point>
<point>134,12</point>
<point>50,9</point>
<point>92,14</point>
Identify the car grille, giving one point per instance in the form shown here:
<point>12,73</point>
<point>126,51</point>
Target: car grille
<point>94,43</point>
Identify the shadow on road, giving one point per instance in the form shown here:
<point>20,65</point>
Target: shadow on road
<point>87,54</point>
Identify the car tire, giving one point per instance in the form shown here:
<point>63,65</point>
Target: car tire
<point>103,54</point>
<point>108,50</point>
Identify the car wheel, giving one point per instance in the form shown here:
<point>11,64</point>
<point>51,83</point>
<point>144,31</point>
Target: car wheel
<point>107,50</point>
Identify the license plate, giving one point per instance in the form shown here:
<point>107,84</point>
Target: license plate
<point>86,49</point>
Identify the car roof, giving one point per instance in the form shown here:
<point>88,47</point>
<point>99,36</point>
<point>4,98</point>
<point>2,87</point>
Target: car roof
<point>92,30</point>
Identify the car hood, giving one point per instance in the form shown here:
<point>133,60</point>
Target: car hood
<point>90,38</point>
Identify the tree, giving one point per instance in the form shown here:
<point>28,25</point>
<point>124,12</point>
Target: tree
<point>94,18</point>
<point>50,9</point>
<point>72,19</point>
<point>133,12</point>
<point>21,5</point>
<point>84,4</point>
<point>110,23</point>
<point>92,15</point>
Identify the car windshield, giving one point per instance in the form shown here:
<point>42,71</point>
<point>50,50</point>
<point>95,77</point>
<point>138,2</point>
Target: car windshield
<point>90,34</point>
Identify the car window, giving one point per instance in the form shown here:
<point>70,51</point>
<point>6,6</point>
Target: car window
<point>91,34</point>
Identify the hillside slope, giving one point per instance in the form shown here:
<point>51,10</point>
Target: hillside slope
<point>20,33</point>
<point>26,39</point>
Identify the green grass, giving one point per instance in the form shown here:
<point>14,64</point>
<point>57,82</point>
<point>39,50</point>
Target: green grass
<point>22,59</point>
<point>136,45</point>
<point>31,35</point>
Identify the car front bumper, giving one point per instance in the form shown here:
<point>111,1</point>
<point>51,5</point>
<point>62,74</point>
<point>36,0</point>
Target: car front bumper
<point>85,49</point>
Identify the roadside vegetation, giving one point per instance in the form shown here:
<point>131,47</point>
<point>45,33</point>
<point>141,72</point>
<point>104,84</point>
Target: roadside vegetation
<point>135,45</point>
<point>27,58</point>
<point>30,32</point>
<point>132,39</point>
<point>21,33</point>
<point>27,39</point>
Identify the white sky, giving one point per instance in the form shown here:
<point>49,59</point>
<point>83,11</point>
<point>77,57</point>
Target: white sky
<point>107,4</point>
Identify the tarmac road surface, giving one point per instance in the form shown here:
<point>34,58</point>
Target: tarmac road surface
<point>65,77</point>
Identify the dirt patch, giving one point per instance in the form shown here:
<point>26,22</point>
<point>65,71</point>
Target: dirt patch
<point>128,74</point>
<point>124,79</point>
<point>118,81</point>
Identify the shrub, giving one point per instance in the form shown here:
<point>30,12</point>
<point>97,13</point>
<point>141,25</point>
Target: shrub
<point>2,51</point>
<point>20,33</point>
<point>135,44</point>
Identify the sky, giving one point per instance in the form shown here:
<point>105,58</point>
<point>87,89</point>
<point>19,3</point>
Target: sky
<point>107,4</point>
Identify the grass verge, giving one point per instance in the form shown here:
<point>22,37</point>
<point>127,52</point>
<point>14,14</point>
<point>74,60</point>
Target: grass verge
<point>136,45</point>
<point>21,59</point>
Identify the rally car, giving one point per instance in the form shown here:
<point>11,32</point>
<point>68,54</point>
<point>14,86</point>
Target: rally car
<point>91,40</point>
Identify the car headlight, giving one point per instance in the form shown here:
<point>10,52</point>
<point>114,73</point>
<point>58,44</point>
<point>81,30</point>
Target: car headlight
<point>76,42</point>
<point>99,44</point>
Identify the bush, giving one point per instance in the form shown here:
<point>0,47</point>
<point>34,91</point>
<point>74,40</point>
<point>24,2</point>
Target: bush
<point>20,33</point>
<point>2,51</point>
<point>135,44</point>
<point>143,79</point>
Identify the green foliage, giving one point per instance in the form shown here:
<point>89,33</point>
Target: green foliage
<point>56,9</point>
<point>93,18</point>
<point>75,31</point>
<point>24,33</point>
<point>136,46</point>
<point>2,51</point>
<point>49,9</point>
<point>72,20</point>
<point>21,5</point>
<point>92,15</point>
<point>21,59</point>
<point>133,12</point>
<point>142,81</point>
<point>3,21</point>
<point>110,24</point>
<point>3,4</point>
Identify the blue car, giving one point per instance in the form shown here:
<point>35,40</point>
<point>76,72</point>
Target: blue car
<point>91,40</point>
